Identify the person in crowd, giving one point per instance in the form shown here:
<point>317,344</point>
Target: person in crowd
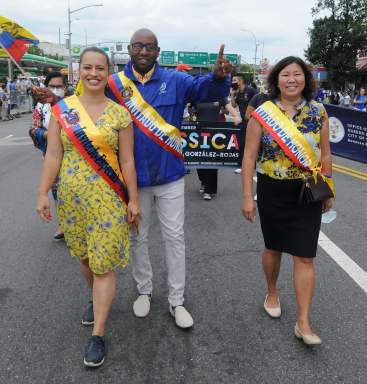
<point>334,98</point>
<point>213,112</point>
<point>156,99</point>
<point>6,115</point>
<point>240,96</point>
<point>69,90</point>
<point>13,99</point>
<point>288,223</point>
<point>319,94</point>
<point>346,99</point>
<point>90,147</point>
<point>360,101</point>
<point>56,82</point>
<point>3,103</point>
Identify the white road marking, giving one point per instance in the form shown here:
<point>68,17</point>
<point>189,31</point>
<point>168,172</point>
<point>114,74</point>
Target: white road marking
<point>12,140</point>
<point>3,144</point>
<point>344,261</point>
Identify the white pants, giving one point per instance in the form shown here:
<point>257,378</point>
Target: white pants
<point>169,201</point>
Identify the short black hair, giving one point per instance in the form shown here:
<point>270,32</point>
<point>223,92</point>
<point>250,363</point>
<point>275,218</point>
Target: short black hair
<point>97,50</point>
<point>273,78</point>
<point>242,76</point>
<point>54,74</point>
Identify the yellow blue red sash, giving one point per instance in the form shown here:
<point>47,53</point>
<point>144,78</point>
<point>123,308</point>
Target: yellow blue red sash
<point>285,132</point>
<point>86,137</point>
<point>145,117</point>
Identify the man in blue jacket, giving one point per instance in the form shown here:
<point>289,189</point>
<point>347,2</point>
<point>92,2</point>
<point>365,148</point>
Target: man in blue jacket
<point>156,99</point>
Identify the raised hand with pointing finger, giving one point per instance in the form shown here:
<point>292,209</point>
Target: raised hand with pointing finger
<point>222,67</point>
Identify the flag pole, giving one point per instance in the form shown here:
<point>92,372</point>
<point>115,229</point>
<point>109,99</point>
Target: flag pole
<point>14,61</point>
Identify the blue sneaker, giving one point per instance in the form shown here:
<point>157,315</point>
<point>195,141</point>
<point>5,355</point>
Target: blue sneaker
<point>88,316</point>
<point>95,352</point>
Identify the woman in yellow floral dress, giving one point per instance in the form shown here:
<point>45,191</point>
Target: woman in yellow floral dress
<point>288,224</point>
<point>91,138</point>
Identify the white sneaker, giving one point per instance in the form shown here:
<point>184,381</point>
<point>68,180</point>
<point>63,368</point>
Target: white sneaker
<point>141,306</point>
<point>238,171</point>
<point>201,190</point>
<point>206,196</point>
<point>182,317</point>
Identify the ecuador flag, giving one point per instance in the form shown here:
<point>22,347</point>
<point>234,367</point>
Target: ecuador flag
<point>14,39</point>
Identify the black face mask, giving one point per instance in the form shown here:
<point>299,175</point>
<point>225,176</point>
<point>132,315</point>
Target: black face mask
<point>234,86</point>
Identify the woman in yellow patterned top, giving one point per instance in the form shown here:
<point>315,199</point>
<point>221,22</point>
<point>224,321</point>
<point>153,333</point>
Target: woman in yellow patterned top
<point>288,225</point>
<point>90,146</point>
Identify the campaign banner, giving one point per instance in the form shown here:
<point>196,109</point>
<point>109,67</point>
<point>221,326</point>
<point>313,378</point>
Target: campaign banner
<point>211,144</point>
<point>348,132</point>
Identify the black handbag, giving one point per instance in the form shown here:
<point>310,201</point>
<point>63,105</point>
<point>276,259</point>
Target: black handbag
<point>313,191</point>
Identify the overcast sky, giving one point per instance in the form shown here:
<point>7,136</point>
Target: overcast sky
<point>188,25</point>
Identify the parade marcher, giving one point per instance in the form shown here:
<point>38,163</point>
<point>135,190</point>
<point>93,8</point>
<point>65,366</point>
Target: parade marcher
<point>90,147</point>
<point>360,101</point>
<point>240,96</point>
<point>56,82</point>
<point>213,112</point>
<point>288,125</point>
<point>156,99</point>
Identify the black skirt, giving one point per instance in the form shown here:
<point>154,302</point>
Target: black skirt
<point>287,226</point>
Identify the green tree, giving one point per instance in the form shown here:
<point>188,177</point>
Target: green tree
<point>35,50</point>
<point>246,68</point>
<point>336,38</point>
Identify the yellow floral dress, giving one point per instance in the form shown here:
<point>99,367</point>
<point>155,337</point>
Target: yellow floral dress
<point>91,213</point>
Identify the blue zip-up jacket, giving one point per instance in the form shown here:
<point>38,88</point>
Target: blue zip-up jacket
<point>168,92</point>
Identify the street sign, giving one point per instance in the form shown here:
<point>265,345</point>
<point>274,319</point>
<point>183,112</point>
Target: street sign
<point>233,58</point>
<point>168,57</point>
<point>193,58</point>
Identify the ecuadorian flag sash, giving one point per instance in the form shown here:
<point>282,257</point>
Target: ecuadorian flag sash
<point>285,132</point>
<point>88,140</point>
<point>145,117</point>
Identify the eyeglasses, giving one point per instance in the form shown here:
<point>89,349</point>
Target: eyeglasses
<point>56,86</point>
<point>150,47</point>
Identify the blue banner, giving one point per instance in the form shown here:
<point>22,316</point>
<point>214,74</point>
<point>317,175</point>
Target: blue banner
<point>348,132</point>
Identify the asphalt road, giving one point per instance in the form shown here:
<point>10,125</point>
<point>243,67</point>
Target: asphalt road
<point>42,295</point>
